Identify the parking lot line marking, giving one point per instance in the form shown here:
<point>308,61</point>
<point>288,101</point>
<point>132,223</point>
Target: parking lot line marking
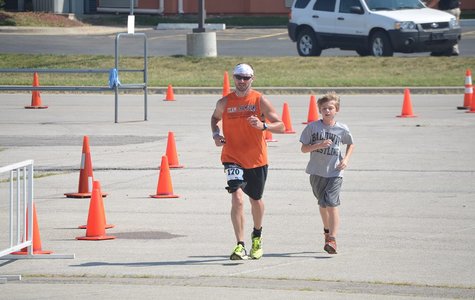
<point>265,36</point>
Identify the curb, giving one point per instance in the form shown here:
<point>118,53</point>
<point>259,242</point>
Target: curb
<point>467,22</point>
<point>316,90</point>
<point>165,26</point>
<point>272,90</point>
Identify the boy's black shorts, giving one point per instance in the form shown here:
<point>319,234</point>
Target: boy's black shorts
<point>251,181</point>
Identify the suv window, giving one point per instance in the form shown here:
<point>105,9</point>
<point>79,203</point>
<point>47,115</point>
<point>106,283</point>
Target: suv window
<point>393,5</point>
<point>325,5</point>
<point>345,5</point>
<point>301,3</point>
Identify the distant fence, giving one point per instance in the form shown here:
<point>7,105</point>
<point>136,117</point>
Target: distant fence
<point>114,83</point>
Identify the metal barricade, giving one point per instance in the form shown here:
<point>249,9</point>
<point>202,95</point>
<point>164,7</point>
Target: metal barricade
<point>144,71</point>
<point>18,217</point>
<point>20,201</point>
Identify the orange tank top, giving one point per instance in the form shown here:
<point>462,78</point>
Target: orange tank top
<point>245,145</point>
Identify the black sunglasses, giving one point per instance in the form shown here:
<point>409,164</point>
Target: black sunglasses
<point>239,77</point>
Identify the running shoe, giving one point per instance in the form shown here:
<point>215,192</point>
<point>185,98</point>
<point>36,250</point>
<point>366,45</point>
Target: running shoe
<point>330,246</point>
<point>256,250</point>
<point>239,253</point>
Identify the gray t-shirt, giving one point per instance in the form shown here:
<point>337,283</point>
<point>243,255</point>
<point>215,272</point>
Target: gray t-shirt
<point>323,162</point>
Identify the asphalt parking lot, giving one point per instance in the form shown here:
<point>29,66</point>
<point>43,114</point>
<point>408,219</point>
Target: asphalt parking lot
<point>229,42</point>
<point>407,209</point>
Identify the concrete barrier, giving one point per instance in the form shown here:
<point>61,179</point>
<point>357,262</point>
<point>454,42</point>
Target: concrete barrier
<point>201,44</point>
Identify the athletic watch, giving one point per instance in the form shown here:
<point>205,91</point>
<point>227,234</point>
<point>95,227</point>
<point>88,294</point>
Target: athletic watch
<point>264,126</point>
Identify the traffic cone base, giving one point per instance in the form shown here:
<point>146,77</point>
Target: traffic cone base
<point>408,116</point>
<point>407,106</point>
<point>82,195</point>
<point>96,238</point>
<point>472,108</point>
<point>176,166</point>
<point>108,226</point>
<point>170,95</point>
<point>165,196</point>
<point>25,252</point>
<point>36,107</point>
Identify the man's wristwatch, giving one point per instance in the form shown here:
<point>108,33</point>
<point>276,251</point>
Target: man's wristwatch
<point>264,126</point>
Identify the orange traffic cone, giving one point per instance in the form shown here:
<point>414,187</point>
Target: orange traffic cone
<point>407,106</point>
<point>468,96</point>
<point>85,175</point>
<point>164,187</point>
<point>96,223</point>
<point>97,185</point>
<point>312,110</point>
<point>226,88</point>
<point>36,237</point>
<point>171,152</point>
<point>286,119</point>
<point>170,95</point>
<point>35,95</point>
<point>472,107</point>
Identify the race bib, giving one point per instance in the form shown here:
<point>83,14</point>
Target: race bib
<point>234,172</point>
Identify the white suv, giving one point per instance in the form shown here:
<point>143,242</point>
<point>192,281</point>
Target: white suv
<point>371,27</point>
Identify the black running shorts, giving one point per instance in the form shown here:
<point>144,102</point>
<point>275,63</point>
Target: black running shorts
<point>253,181</point>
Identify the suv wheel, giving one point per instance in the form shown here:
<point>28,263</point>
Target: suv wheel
<point>380,45</point>
<point>307,44</point>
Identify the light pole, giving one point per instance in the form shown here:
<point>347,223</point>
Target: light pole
<point>201,42</point>
<point>131,19</point>
<point>201,16</point>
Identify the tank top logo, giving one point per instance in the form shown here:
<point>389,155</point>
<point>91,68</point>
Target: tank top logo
<point>242,108</point>
<point>333,149</point>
